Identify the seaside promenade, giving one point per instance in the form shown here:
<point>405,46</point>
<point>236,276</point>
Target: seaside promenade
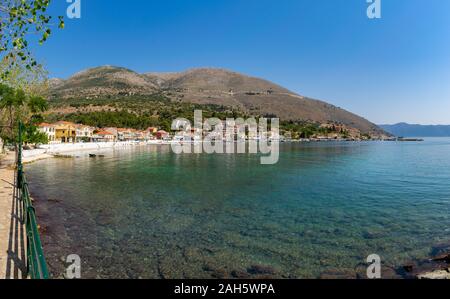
<point>12,231</point>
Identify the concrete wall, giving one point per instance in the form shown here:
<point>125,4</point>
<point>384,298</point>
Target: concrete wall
<point>33,153</point>
<point>73,147</point>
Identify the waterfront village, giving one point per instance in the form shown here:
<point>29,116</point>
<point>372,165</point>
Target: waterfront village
<point>68,132</point>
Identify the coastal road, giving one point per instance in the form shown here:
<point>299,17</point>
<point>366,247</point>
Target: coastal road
<point>12,234</point>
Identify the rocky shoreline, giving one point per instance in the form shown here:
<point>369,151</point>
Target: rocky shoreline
<point>436,267</point>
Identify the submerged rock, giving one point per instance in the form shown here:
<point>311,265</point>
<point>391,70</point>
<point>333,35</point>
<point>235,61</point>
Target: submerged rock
<point>259,269</point>
<point>54,200</point>
<point>439,249</point>
<point>436,267</point>
<point>219,274</point>
<point>59,156</point>
<point>445,257</point>
<point>240,274</point>
<point>408,268</point>
<point>334,273</point>
<point>438,274</point>
<point>370,235</point>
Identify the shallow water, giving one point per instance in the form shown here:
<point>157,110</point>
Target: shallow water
<point>148,213</point>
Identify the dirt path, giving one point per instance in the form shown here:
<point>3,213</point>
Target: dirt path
<point>12,238</point>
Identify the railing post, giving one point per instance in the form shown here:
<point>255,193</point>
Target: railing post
<point>35,261</point>
<point>19,158</point>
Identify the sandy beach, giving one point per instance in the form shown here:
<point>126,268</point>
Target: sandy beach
<point>52,150</point>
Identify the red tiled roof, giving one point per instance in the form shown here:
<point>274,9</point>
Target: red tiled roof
<point>104,133</point>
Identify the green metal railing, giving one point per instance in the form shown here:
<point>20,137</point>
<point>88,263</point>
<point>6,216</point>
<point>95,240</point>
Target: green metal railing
<point>36,264</point>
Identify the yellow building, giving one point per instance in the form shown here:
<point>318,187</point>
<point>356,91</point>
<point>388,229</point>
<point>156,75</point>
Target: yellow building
<point>65,132</point>
<point>152,130</point>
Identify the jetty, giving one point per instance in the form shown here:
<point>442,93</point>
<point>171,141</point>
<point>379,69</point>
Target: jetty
<point>401,139</point>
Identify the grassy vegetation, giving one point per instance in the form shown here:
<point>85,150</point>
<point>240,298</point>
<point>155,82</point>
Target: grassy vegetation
<point>141,112</point>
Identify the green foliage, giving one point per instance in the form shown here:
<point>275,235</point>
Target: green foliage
<point>301,129</point>
<point>37,104</point>
<point>7,95</point>
<point>19,19</point>
<point>107,119</point>
<point>32,135</point>
<point>36,119</point>
<point>16,106</point>
<point>11,100</point>
<point>141,112</point>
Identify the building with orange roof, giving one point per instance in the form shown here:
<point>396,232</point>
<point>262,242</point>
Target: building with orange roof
<point>162,135</point>
<point>124,134</point>
<point>104,136</point>
<point>112,130</point>
<point>65,132</point>
<point>152,130</point>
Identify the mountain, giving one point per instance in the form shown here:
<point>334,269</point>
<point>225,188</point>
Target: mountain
<point>209,86</point>
<point>101,81</point>
<point>412,130</point>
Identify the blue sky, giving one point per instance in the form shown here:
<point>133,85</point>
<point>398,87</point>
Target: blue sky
<point>388,70</point>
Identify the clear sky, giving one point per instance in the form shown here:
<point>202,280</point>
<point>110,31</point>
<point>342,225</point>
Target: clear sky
<point>388,70</point>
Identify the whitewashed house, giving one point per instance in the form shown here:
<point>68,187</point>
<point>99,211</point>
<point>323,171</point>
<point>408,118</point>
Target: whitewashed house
<point>84,133</point>
<point>50,131</point>
<point>104,136</point>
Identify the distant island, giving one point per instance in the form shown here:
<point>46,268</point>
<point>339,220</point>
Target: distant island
<point>414,130</point>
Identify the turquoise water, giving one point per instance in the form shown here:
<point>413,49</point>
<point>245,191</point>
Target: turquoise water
<point>148,213</point>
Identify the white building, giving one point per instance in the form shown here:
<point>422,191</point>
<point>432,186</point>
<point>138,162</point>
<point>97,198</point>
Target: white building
<point>84,133</point>
<point>50,130</point>
<point>104,136</point>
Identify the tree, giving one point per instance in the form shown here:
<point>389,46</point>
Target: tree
<point>37,104</point>
<point>10,101</point>
<point>22,79</point>
<point>19,19</point>
<point>21,98</point>
<point>32,135</point>
<point>33,81</point>
<point>17,107</point>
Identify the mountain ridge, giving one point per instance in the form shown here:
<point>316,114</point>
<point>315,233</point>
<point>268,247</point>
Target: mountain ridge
<point>205,86</point>
<point>403,129</point>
